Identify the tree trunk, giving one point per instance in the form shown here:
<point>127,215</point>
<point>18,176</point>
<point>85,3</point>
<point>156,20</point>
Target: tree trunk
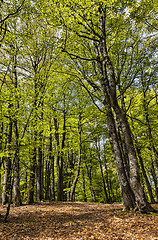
<point>1,141</point>
<point>112,191</point>
<point>84,186</point>
<point>30,198</point>
<point>101,170</point>
<point>155,180</point>
<point>7,174</point>
<point>71,166</point>
<point>59,159</point>
<point>127,193</point>
<point>109,90</point>
<point>134,168</point>
<point>124,150</point>
<point>39,187</point>
<point>16,143</point>
<point>107,180</point>
<point>154,151</point>
<point>144,174</point>
<point>72,192</point>
<point>89,173</point>
<point>51,159</point>
<point>16,187</point>
<point>47,180</point>
<point>108,84</point>
<point>33,163</point>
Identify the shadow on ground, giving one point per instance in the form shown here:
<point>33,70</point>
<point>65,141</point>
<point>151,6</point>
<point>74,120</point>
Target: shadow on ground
<point>59,220</point>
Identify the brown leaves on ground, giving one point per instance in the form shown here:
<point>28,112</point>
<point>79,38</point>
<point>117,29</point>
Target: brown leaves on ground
<point>77,221</point>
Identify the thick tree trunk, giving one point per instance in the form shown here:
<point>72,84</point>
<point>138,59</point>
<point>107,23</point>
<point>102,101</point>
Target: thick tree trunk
<point>7,174</point>
<point>133,161</point>
<point>123,149</point>
<point>127,193</point>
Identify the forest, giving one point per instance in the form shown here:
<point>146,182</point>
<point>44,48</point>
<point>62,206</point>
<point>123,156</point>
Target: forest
<point>79,102</point>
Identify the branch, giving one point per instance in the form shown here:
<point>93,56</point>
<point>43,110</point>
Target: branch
<point>91,96</point>
<point>74,56</point>
<point>26,124</point>
<point>136,119</point>
<point>12,14</point>
<point>150,25</point>
<point>84,36</point>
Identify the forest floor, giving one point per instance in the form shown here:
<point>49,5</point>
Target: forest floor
<point>77,221</point>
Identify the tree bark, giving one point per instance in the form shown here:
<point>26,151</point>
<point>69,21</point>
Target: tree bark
<point>16,187</point>
<point>150,136</point>
<point>155,180</point>
<point>84,186</point>
<point>107,180</point>
<point>133,161</point>
<point>1,141</point>
<point>16,143</point>
<point>47,180</point>
<point>72,192</point>
<point>30,199</point>
<point>89,173</point>
<point>152,200</point>
<point>101,170</point>
<point>31,187</point>
<point>59,164</point>
<point>51,159</point>
<point>7,174</point>
<point>39,187</point>
<point>127,193</point>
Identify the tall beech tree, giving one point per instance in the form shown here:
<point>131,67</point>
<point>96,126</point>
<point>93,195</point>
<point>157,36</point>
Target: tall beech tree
<point>100,25</point>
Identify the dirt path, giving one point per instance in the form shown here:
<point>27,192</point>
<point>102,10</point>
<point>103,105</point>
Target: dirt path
<point>77,221</point>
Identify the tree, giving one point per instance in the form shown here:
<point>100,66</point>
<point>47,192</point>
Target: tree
<point>95,24</point>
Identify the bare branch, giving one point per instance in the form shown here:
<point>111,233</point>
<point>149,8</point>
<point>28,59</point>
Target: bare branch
<point>74,56</point>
